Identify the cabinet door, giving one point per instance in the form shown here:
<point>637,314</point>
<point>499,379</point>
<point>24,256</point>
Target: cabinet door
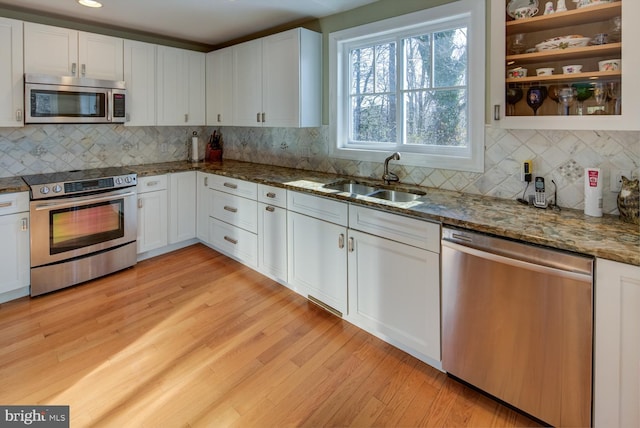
<point>100,57</point>
<point>152,220</point>
<point>558,25</point>
<point>617,345</point>
<point>220,87</point>
<point>272,240</point>
<point>140,77</point>
<point>14,251</point>
<point>247,84</point>
<point>11,73</point>
<point>182,206</point>
<point>394,292</point>
<point>318,260</point>
<point>281,74</point>
<point>50,50</point>
<point>195,87</point>
<point>203,206</point>
<point>172,97</point>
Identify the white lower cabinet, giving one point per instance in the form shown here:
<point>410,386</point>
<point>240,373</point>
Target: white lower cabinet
<point>317,249</point>
<point>272,231</point>
<point>14,246</point>
<point>182,206</point>
<point>152,213</point>
<point>617,345</point>
<point>233,217</point>
<point>203,206</point>
<point>394,287</point>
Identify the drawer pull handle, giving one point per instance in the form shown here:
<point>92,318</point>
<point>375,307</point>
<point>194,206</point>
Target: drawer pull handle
<point>6,204</point>
<point>206,182</point>
<point>270,209</point>
<point>25,224</point>
<point>271,195</point>
<point>139,203</point>
<point>230,185</point>
<point>350,245</point>
<point>341,241</point>
<point>153,183</point>
<point>233,241</point>
<point>230,209</point>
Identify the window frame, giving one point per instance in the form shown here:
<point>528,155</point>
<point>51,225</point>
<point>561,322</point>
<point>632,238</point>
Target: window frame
<point>469,13</point>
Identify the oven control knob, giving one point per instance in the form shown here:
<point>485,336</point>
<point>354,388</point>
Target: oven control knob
<point>44,190</point>
<point>128,179</point>
<point>57,188</point>
<point>119,180</point>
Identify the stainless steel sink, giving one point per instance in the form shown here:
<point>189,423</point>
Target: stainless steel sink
<point>352,187</point>
<point>397,195</point>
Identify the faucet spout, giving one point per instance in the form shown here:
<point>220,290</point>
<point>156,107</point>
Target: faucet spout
<point>387,176</point>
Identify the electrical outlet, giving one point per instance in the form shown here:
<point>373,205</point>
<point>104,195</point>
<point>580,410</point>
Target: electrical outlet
<point>527,171</point>
<point>616,179</point>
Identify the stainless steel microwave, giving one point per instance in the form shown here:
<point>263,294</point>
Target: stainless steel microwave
<point>61,99</point>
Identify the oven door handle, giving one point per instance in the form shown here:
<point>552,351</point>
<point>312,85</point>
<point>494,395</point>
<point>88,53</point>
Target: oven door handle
<point>75,203</point>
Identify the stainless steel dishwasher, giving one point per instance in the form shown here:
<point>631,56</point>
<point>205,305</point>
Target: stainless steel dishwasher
<point>518,324</point>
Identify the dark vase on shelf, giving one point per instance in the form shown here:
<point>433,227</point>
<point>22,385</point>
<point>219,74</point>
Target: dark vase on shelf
<point>535,97</point>
<point>513,96</point>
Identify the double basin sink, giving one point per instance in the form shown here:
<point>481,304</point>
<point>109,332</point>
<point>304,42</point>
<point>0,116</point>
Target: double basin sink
<point>364,189</point>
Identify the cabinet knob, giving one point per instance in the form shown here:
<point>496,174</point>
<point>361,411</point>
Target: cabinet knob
<point>270,209</point>
<point>271,195</point>
<point>264,116</point>
<point>186,118</point>
<point>258,117</point>
<point>341,241</point>
<point>74,68</point>
<point>83,69</point>
<point>496,112</point>
<point>350,245</point>
<point>25,224</point>
<point>219,117</point>
<point>206,182</point>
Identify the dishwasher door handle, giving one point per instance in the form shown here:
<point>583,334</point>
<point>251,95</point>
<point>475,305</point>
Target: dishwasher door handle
<point>517,263</point>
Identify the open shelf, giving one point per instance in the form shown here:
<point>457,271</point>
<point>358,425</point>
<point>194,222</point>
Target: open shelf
<point>568,78</point>
<point>573,17</point>
<point>611,49</point>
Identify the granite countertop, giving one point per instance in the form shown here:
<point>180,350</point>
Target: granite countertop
<point>606,237</point>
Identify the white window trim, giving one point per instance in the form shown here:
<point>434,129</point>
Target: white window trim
<point>473,161</point>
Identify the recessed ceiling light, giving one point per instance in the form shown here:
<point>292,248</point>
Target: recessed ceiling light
<point>90,3</point>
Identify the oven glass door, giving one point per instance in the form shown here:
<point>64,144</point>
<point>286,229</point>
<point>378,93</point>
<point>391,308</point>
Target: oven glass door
<point>65,228</point>
<point>76,227</point>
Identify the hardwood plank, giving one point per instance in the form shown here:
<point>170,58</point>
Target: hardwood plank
<point>193,338</point>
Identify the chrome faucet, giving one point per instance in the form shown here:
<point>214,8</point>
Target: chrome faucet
<point>388,177</point>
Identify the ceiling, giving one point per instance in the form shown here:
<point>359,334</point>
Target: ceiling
<point>210,22</point>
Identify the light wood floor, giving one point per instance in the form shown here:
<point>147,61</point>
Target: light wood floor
<point>193,338</point>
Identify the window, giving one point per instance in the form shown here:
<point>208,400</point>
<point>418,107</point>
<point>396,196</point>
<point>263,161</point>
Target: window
<point>413,84</point>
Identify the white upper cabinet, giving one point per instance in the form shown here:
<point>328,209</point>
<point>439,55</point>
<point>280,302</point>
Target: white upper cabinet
<point>603,99</point>
<point>181,87</point>
<point>63,52</point>
<point>11,73</point>
<point>219,88</point>
<point>140,78</point>
<point>278,80</point>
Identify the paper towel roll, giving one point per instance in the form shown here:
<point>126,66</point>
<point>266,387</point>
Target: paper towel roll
<point>194,149</point>
<point>593,192</point>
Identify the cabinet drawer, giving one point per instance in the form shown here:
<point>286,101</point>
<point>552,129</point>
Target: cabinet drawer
<point>272,195</point>
<point>235,210</point>
<point>11,203</point>
<point>410,231</point>
<point>234,241</point>
<point>318,207</point>
<point>234,186</point>
<point>152,183</point>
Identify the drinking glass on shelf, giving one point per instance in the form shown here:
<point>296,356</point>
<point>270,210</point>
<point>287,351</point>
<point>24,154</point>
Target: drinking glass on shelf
<point>554,94</point>
<point>584,91</point>
<point>600,96</point>
<point>567,96</point>
<point>535,97</point>
<point>613,92</point>
<point>514,95</point>
<point>516,44</point>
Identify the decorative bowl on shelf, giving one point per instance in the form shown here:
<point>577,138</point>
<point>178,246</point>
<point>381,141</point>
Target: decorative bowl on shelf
<point>609,65</point>
<point>517,4</point>
<point>517,73</point>
<point>545,71</point>
<point>572,69</point>
<point>564,42</point>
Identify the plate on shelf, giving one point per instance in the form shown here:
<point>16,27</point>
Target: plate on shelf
<point>564,42</point>
<point>517,4</point>
<point>587,3</point>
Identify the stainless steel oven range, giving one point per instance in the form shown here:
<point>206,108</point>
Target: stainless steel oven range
<point>83,226</point>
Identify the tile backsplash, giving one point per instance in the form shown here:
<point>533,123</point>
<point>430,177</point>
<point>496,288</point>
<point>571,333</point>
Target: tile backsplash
<point>558,155</point>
